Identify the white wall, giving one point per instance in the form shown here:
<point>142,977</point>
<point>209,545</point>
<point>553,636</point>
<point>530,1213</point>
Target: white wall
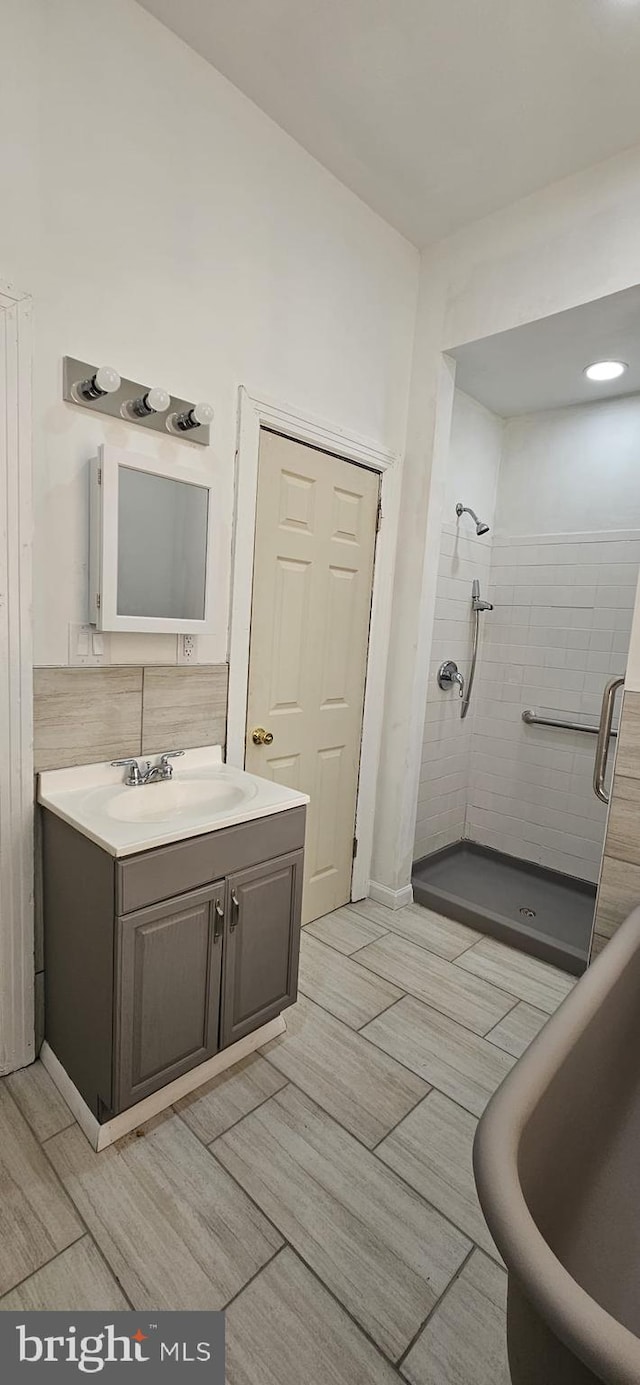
<point>571,469</point>
<point>163,224</point>
<point>475,450</point>
<point>575,241</point>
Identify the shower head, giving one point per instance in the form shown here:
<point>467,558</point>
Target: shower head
<point>481,527</point>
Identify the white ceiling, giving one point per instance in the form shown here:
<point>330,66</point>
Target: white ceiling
<point>435,112</point>
<point>541,365</point>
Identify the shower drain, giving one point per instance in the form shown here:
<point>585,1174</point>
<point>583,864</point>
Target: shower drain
<point>527,913</point>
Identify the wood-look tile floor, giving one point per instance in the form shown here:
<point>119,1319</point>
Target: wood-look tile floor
<point>322,1190</point>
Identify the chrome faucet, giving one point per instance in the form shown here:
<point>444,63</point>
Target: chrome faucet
<point>148,774</point>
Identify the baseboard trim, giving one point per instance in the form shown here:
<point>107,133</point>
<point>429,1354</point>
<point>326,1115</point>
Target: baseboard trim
<point>394,899</point>
<point>101,1136</point>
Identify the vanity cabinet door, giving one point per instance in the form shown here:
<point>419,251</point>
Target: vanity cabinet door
<point>169,966</point>
<point>262,941</point>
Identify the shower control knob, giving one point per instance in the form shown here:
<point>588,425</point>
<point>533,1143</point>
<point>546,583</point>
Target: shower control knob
<point>448,674</point>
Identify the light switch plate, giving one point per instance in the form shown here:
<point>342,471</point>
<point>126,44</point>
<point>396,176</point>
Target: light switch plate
<point>88,648</point>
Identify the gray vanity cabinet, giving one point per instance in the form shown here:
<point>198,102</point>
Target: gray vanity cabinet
<point>156,961</point>
<point>262,945</point>
<point>169,969</point>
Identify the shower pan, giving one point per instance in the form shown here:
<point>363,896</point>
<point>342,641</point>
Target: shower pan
<point>541,911</point>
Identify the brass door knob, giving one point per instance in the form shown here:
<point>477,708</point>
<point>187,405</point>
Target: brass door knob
<point>261,737</point>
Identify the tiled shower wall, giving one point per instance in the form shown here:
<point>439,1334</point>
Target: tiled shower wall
<point>446,747</point>
<point>474,463</point>
<point>560,629</point>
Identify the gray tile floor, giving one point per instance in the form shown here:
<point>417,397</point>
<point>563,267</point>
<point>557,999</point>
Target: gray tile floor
<point>322,1190</point>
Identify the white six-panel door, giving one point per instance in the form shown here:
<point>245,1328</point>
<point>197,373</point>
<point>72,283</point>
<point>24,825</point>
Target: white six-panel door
<point>313,571</point>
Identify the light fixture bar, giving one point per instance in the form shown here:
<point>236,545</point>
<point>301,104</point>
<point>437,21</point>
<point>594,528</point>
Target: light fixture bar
<point>130,393</point>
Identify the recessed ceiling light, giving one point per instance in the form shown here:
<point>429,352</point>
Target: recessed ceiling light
<point>605,370</point>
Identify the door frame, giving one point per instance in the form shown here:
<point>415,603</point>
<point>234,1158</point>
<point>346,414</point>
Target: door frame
<point>17,1007</point>
<point>254,412</point>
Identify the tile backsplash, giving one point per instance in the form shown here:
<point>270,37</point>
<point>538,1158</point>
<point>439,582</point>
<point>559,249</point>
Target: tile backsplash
<point>82,715</point>
<point>183,702</point>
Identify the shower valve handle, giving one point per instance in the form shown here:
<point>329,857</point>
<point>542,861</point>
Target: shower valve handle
<point>448,674</point>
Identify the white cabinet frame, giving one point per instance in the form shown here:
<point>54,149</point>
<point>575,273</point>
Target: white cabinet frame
<point>103,564</point>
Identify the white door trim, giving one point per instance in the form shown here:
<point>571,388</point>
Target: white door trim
<point>17,1038</point>
<point>253,413</point>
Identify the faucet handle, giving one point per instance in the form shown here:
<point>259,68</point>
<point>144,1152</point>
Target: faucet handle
<point>167,755</point>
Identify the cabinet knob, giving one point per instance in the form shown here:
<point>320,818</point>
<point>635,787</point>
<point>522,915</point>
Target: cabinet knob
<point>261,737</point>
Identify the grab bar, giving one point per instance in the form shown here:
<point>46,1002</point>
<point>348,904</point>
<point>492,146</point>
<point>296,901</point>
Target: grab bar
<point>604,734</point>
<point>532,719</point>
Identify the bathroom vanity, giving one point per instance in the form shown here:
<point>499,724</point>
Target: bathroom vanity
<point>171,927</point>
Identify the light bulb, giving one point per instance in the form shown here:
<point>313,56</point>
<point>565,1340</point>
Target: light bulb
<point>153,401</point>
<point>605,370</point>
<point>158,400</point>
<point>196,417</point>
<point>107,379</point>
<point>203,414</point>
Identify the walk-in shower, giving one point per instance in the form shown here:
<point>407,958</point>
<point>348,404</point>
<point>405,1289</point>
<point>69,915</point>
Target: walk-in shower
<point>533,609</point>
<point>548,913</point>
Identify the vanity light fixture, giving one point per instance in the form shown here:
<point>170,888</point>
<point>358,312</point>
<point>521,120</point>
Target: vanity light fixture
<point>605,370</point>
<point>105,380</point>
<point>154,401</point>
<point>101,390</point>
<point>201,415</point>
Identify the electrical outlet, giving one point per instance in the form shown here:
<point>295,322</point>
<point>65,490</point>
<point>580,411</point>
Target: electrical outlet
<point>88,647</point>
<point>187,649</point>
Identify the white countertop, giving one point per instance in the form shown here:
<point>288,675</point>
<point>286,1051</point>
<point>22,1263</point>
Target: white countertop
<point>203,795</point>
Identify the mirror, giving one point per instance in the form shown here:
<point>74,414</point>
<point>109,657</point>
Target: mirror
<point>162,546</point>
<point>151,542</point>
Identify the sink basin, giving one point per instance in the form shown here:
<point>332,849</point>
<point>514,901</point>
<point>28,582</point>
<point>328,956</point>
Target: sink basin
<point>204,795</point>
<point>163,801</point>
